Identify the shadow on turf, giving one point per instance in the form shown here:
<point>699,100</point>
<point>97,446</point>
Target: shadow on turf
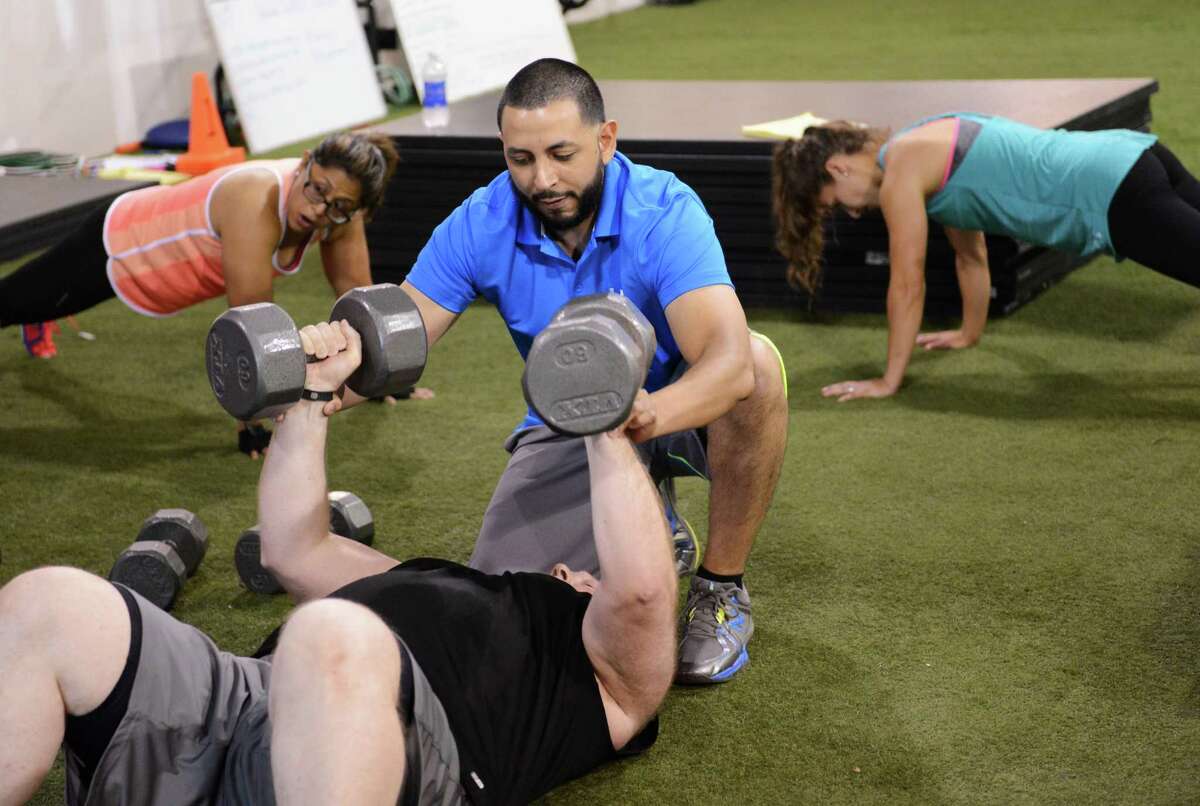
<point>1086,308</point>
<point>1036,395</point>
<point>150,429</point>
<point>1175,639</point>
<point>1098,310</point>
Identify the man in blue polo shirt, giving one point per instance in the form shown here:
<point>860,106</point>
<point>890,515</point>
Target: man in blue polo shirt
<point>572,216</point>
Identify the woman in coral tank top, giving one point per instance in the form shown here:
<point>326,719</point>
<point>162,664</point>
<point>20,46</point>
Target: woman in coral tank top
<point>228,233</point>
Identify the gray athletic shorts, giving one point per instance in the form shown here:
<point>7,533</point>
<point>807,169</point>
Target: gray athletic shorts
<point>541,511</point>
<point>197,731</point>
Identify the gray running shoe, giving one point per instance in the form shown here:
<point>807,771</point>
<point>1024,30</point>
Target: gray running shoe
<point>717,625</point>
<point>683,536</point>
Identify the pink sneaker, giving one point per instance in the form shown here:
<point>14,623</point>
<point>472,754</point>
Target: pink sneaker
<point>39,339</point>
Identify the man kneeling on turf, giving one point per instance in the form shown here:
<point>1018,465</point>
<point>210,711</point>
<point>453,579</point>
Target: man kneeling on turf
<point>423,682</point>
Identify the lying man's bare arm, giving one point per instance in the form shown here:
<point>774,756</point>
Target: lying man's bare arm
<point>629,628</point>
<point>297,546</point>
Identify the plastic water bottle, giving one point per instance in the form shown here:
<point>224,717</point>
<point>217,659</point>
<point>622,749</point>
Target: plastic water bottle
<point>434,112</point>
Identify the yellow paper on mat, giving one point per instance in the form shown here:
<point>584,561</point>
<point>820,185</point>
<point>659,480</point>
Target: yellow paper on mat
<point>785,128</point>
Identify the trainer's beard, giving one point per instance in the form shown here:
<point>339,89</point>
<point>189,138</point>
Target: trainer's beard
<point>587,203</point>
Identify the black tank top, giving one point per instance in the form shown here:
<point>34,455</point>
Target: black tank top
<point>505,655</point>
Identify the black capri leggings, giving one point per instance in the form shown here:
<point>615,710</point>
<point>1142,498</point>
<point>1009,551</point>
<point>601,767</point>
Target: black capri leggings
<point>1154,218</point>
<point>65,279</point>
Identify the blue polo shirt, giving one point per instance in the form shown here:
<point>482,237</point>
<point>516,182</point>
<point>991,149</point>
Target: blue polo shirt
<point>652,241</point>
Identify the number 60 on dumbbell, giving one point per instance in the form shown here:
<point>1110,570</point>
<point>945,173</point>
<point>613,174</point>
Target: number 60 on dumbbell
<point>255,360</point>
<point>585,368</point>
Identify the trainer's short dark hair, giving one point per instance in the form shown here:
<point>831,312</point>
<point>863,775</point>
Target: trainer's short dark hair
<point>540,83</point>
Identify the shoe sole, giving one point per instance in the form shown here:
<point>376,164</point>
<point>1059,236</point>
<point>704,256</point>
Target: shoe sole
<point>720,677</point>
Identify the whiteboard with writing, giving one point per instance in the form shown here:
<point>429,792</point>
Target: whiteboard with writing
<point>482,42</point>
<point>296,68</point>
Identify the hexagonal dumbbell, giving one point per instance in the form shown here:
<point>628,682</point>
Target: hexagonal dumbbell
<point>255,360</point>
<point>348,517</point>
<point>169,548</point>
<point>585,368</point>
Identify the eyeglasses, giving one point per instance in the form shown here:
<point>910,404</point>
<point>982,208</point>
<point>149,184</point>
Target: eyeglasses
<point>334,212</point>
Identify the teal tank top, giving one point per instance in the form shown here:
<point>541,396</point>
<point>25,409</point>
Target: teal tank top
<point>1047,187</point>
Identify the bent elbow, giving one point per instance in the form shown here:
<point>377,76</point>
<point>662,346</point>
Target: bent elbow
<point>652,593</point>
<point>743,384</point>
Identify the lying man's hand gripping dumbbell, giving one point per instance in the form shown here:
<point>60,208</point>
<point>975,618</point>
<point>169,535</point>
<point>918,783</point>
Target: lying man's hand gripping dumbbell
<point>417,682</point>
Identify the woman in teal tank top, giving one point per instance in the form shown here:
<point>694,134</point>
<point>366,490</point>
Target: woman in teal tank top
<point>1118,191</point>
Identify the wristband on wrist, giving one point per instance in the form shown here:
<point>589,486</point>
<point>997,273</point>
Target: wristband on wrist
<point>315,396</point>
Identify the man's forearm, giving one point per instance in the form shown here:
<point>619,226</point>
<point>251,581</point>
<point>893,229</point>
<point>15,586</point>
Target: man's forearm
<point>628,521</point>
<point>708,390</point>
<point>293,510</point>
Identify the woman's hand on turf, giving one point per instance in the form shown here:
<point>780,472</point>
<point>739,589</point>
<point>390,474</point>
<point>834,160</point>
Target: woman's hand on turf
<point>850,390</point>
<point>946,340</point>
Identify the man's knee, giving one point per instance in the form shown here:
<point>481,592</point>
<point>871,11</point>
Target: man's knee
<point>75,624</point>
<point>331,636</point>
<point>770,375</point>
<point>45,600</point>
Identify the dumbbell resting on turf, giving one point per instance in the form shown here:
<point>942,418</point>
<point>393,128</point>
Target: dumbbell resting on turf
<point>169,548</point>
<point>348,517</point>
<point>586,367</point>
<point>255,359</point>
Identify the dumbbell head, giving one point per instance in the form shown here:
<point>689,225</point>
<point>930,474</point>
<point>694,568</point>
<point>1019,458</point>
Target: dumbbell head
<point>622,311</point>
<point>153,569</point>
<point>247,557</point>
<point>393,338</point>
<point>585,368</point>
<point>180,529</point>
<point>349,517</point>
<point>255,361</point>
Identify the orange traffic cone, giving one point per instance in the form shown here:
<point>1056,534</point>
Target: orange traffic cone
<point>207,146</point>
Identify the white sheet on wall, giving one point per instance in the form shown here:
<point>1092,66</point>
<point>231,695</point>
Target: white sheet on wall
<point>84,75</point>
<point>296,68</point>
<point>482,42</point>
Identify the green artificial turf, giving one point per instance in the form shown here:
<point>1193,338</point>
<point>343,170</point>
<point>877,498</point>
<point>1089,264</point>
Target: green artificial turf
<point>985,590</point>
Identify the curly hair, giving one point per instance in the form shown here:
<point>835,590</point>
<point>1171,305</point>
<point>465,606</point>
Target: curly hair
<point>798,175</point>
<point>368,157</point>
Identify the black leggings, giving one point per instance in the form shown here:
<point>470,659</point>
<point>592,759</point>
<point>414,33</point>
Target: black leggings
<point>1154,218</point>
<point>65,279</point>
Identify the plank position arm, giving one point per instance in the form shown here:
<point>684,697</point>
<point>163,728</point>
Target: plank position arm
<point>975,284</point>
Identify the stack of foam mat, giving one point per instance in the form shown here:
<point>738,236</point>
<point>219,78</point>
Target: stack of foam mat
<point>38,211</point>
<point>693,129</point>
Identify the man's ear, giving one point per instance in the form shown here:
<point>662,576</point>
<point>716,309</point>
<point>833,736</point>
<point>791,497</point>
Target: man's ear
<point>608,140</point>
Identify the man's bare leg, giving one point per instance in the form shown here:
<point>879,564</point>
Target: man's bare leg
<point>745,455</point>
<point>64,641</point>
<point>336,736</point>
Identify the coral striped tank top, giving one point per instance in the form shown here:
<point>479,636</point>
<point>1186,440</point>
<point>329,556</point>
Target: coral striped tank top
<point>163,254</point>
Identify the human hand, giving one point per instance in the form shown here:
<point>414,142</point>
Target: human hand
<point>639,426</point>
<point>253,439</point>
<point>415,393</point>
<point>946,340</point>
<point>849,390</point>
<point>338,348</point>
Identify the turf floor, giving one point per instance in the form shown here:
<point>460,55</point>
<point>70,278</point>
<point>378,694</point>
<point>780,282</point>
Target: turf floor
<point>983,591</point>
